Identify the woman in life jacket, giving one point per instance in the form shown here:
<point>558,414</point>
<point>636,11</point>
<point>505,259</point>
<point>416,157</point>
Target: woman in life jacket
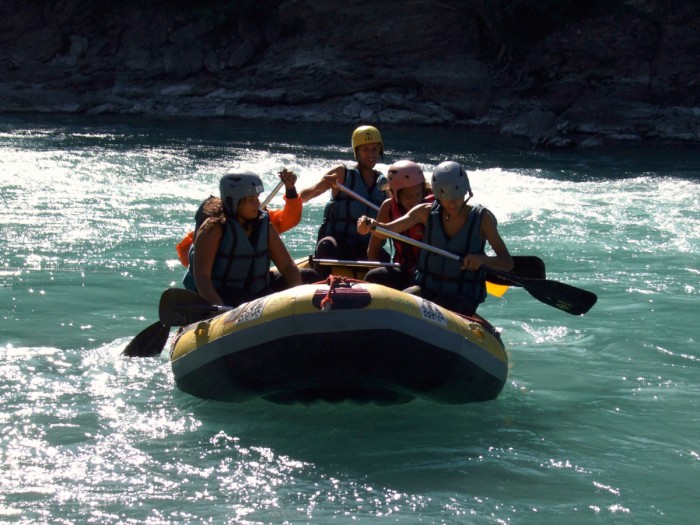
<point>337,236</point>
<point>457,227</point>
<point>408,188</point>
<point>281,219</point>
<point>230,258</point>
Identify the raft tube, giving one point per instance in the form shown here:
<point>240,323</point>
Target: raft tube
<point>352,341</point>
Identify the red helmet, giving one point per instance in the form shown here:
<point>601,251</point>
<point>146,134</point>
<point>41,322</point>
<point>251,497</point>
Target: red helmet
<point>404,174</point>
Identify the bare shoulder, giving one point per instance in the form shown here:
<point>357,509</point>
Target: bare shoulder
<point>421,210</point>
<point>338,172</point>
<point>384,213</point>
<point>211,226</point>
<point>488,218</point>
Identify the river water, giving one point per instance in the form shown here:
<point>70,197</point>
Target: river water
<point>599,421</point>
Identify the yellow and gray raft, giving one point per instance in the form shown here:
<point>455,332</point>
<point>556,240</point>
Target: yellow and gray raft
<point>340,340</point>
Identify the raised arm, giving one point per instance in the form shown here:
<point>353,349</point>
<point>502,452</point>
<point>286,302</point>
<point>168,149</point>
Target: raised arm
<point>327,182</point>
<point>289,216</point>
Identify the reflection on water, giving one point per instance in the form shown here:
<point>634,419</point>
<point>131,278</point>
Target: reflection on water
<point>92,209</point>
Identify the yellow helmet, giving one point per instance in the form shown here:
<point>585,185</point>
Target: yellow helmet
<point>366,135</point>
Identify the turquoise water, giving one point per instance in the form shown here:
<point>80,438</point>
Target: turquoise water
<point>599,421</point>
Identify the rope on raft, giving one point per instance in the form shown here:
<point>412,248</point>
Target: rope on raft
<point>334,282</point>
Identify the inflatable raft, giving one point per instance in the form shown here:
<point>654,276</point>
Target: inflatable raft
<point>342,340</point>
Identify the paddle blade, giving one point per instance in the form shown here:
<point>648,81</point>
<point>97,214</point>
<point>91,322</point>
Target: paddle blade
<point>497,290</point>
<point>525,266</point>
<point>569,299</point>
<point>529,267</point>
<point>566,298</point>
<point>180,307</point>
<point>149,342</point>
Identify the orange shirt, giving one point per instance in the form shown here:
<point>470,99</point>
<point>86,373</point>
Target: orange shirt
<point>288,217</point>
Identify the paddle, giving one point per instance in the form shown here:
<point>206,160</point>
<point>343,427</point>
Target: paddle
<point>528,266</point>
<point>358,264</point>
<point>357,196</point>
<point>572,300</point>
<point>271,195</point>
<point>179,307</point>
<point>565,297</point>
<point>148,342</point>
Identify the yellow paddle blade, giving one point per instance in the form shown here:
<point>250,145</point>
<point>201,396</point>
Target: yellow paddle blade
<point>496,289</point>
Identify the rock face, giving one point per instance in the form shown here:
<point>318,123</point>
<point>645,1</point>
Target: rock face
<point>561,74</point>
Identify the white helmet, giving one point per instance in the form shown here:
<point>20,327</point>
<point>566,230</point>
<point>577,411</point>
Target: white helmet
<point>450,181</point>
<point>237,185</point>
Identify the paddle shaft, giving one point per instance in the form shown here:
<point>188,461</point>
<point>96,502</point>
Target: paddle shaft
<point>419,244</point>
<point>357,197</point>
<point>271,195</point>
<point>359,264</point>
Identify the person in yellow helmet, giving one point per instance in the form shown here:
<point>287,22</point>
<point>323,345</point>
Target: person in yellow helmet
<point>337,236</point>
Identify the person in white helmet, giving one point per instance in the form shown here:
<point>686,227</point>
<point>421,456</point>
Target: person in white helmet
<point>453,225</point>
<point>233,248</point>
<point>408,188</point>
<point>281,219</point>
<point>337,236</point>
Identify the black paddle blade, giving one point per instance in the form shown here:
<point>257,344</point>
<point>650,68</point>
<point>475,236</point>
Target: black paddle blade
<point>149,342</point>
<point>567,298</point>
<point>180,307</point>
<point>529,267</point>
<point>526,266</point>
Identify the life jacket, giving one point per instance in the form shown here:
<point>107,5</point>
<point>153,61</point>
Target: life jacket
<point>241,262</point>
<point>407,254</point>
<point>281,220</point>
<point>342,211</point>
<point>442,275</point>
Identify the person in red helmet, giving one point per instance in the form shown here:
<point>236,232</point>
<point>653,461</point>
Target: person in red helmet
<point>408,188</point>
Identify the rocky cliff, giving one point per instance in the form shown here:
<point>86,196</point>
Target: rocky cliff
<point>561,73</point>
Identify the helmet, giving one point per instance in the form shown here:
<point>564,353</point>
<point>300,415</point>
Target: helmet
<point>404,174</point>
<point>236,185</point>
<point>366,135</point>
<point>450,181</point>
